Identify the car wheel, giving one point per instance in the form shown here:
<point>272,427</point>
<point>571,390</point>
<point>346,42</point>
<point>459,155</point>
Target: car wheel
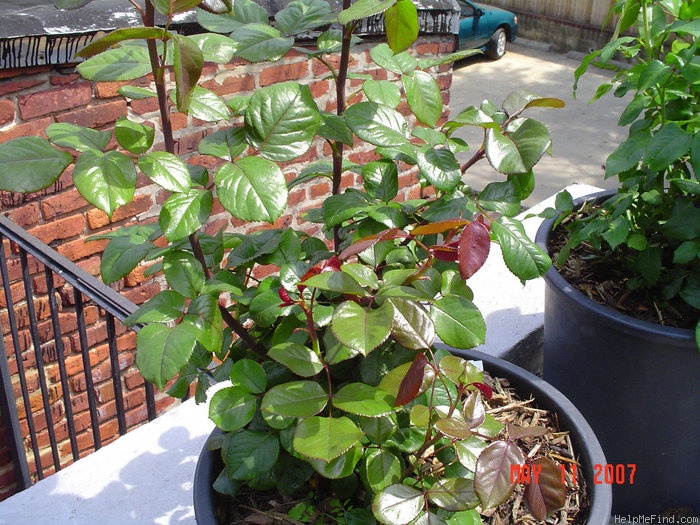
<point>496,47</point>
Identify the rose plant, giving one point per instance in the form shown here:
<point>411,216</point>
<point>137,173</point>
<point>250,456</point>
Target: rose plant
<point>331,357</point>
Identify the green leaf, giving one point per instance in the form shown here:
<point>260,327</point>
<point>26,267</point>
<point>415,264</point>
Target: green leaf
<point>206,105</point>
<point>298,358</point>
<point>502,197</point>
<point>295,399</point>
<point>454,494</point>
<point>78,138</point>
<point>453,427</point>
<point>122,63</point>
<point>400,63</point>
<point>252,189</point>
<point>522,256</point>
<point>184,213</point>
<point>401,25</point>
<point>281,120</point>
<point>382,92</point>
<point>458,322</point>
<point>204,313</point>
<point>184,273</point>
<point>165,306</point>
<point>105,180</point>
<point>249,375</point>
<point>134,137</point>
<point>260,42</point>
<point>628,154</point>
<point>325,438</point>
<point>215,48</point>
<point>225,144</point>
<point>119,35</point>
<point>124,252</point>
<point>363,329</point>
<point>423,95</point>
<point>492,480</point>
<point>502,153</point>
<point>363,9</point>
<point>683,223</point>
<point>136,93</point>
<point>232,408</point>
<point>341,467</point>
<point>340,282</point>
<point>162,351</point>
<point>412,326</point>
<point>249,453</point>
<point>440,168</point>
<point>381,179</point>
<point>377,124</point>
<point>299,17</point>
<point>364,400</point>
<point>30,164</point>
<point>468,451</point>
<point>337,209</point>
<point>187,68</point>
<point>397,504</point>
<point>167,170</point>
<point>171,7</point>
<point>667,145</point>
<point>382,468</point>
<point>532,138</point>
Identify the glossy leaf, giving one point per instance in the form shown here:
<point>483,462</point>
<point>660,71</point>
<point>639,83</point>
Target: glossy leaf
<point>165,306</point>
<point>205,105</point>
<point>549,493</point>
<point>134,137</point>
<point>340,467</point>
<point>401,25</point>
<point>412,383</point>
<point>468,451</point>
<point>187,68</point>
<point>423,94</point>
<point>163,350</point>
<point>167,170</point>
<point>502,197</point>
<point>105,180</point>
<point>252,189</point>
<point>184,213</point>
<point>412,325</point>
<point>363,400</point>
<point>215,48</point>
<point>668,144</point>
<point>31,164</point>
<point>295,399</point>
<point>522,256</point>
<point>377,124</point>
<point>184,273</point>
<point>381,179</point>
<point>225,144</point>
<point>453,494</point>
<point>297,17</point>
<point>398,63</point>
<point>453,427</point>
<point>361,328</point>
<point>363,9</point>
<point>249,375</point>
<point>382,468</point>
<point>397,504</point>
<point>203,312</point>
<point>232,408</point>
<point>281,120</point>
<point>119,35</point>
<point>122,63</point>
<point>340,282</point>
<point>458,322</point>
<point>249,453</point>
<point>260,42</point>
<point>299,359</point>
<point>325,438</point>
<point>473,249</point>
<point>440,168</point>
<point>382,92</point>
<point>78,138</point>
<point>492,480</point>
<point>473,411</point>
<point>124,252</point>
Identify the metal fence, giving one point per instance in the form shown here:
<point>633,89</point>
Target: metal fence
<point>68,383</point>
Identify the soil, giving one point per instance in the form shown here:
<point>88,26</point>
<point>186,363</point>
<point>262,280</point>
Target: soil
<point>251,507</point>
<point>602,279</point>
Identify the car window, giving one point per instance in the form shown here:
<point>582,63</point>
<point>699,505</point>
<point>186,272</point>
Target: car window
<point>467,9</point>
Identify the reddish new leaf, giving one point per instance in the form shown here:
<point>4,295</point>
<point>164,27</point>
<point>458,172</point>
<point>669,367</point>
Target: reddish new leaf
<point>486,390</point>
<point>284,296</point>
<point>474,412</point>
<point>492,479</point>
<point>545,493</point>
<point>412,381</point>
<point>439,227</point>
<point>369,241</point>
<point>473,249</point>
<point>446,252</point>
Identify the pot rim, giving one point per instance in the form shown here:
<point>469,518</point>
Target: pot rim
<point>547,396</point>
<point>627,323</point>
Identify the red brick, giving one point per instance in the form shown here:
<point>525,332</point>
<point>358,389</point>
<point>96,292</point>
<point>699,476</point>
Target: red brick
<point>144,106</point>
<point>13,86</point>
<point>59,229</point>
<point>97,218</point>
<point>27,215</point>
<point>231,85</point>
<point>61,203</point>
<point>7,111</point>
<point>35,128</point>
<point>23,71</point>
<point>95,116</point>
<point>64,77</point>
<point>142,293</point>
<point>81,248</point>
<point>274,74</point>
<point>51,101</point>
<point>108,89</point>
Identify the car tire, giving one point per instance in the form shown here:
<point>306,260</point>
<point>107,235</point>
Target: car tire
<point>496,47</point>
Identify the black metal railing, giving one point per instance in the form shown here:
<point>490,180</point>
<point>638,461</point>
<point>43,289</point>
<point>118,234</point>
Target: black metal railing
<point>42,403</point>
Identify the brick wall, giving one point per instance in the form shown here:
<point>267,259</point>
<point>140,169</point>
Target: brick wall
<point>31,99</point>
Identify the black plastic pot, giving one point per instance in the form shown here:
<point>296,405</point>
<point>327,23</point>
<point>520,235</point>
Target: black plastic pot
<point>638,386</point>
<point>526,384</point>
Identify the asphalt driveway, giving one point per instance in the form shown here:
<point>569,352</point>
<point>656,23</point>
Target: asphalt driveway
<point>583,134</point>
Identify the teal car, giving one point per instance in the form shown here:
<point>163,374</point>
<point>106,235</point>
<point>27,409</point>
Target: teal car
<point>486,28</point>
